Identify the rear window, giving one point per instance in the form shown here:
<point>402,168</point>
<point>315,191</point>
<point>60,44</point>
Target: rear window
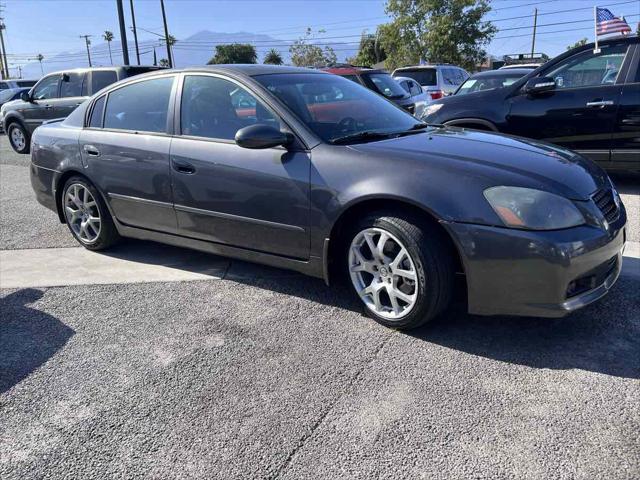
<point>424,76</point>
<point>101,79</point>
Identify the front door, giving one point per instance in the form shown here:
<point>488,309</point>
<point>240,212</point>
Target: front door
<point>625,147</point>
<point>128,154</point>
<point>580,112</point>
<point>41,108</point>
<point>253,199</point>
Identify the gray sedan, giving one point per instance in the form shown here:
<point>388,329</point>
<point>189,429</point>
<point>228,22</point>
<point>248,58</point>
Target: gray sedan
<point>309,171</point>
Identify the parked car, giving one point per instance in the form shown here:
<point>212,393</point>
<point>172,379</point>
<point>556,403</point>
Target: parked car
<point>308,171</point>
<point>56,95</point>
<point>586,101</point>
<point>16,83</point>
<point>377,80</point>
<point>491,79</point>
<point>438,80</point>
<point>418,97</point>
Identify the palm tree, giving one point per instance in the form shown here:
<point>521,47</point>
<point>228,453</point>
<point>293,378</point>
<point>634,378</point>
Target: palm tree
<point>40,57</point>
<point>273,57</point>
<point>108,36</point>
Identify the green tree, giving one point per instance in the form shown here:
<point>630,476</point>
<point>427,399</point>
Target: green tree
<point>448,31</point>
<point>306,54</point>
<point>108,37</point>
<point>235,53</point>
<point>370,50</point>
<point>579,43</point>
<point>273,57</point>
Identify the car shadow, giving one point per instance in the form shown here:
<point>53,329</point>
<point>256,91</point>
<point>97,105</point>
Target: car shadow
<point>28,337</point>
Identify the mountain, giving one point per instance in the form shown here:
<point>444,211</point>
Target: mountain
<point>194,50</point>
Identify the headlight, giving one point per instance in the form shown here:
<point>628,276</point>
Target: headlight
<point>533,209</point>
<point>432,109</point>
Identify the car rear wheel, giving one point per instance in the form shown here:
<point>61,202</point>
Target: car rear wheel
<point>18,138</point>
<point>401,269</point>
<point>87,215</point>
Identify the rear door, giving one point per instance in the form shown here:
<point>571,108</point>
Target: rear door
<point>126,148</point>
<point>73,91</point>
<point>580,112</point>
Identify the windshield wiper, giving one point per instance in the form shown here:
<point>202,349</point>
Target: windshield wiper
<point>420,126</point>
<point>362,136</point>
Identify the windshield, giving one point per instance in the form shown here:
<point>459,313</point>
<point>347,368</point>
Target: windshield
<point>386,85</point>
<point>424,76</point>
<point>334,107</point>
<point>487,82</point>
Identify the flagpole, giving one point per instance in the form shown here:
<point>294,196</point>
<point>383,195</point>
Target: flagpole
<point>595,28</point>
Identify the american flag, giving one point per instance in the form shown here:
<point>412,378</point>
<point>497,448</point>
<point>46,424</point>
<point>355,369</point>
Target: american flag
<point>607,22</point>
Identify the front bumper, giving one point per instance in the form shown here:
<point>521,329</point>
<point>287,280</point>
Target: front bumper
<point>542,274</point>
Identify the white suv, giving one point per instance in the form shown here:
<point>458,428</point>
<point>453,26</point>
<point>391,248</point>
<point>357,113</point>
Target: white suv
<point>437,80</point>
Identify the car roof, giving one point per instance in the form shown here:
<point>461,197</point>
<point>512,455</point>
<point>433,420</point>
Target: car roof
<point>426,67</point>
<point>351,70</point>
<point>249,70</point>
<point>507,72</point>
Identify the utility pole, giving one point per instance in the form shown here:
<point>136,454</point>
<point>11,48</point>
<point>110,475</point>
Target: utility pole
<point>166,34</point>
<point>19,71</point>
<point>123,33</point>
<point>87,43</point>
<point>135,32</point>
<point>535,24</point>
<point>5,71</point>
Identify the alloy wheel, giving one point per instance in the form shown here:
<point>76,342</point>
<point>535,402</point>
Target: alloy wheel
<point>81,212</point>
<point>18,139</point>
<point>383,273</point>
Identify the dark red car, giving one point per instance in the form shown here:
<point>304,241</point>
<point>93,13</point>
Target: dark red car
<point>377,80</point>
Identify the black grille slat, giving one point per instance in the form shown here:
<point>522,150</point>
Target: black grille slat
<point>603,199</point>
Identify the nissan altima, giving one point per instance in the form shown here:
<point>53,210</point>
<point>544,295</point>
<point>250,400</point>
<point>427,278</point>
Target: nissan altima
<point>309,171</point>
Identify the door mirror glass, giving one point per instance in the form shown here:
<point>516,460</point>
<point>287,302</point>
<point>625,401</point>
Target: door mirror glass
<point>262,136</point>
<point>540,85</point>
<point>25,97</point>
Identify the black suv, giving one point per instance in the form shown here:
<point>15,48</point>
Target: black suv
<point>585,100</point>
<point>55,96</point>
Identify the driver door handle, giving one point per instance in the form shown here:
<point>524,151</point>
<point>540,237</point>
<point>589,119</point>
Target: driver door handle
<point>600,103</point>
<point>183,167</point>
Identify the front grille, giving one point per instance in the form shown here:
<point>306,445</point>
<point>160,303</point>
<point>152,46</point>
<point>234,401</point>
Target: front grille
<point>607,205</point>
<point>410,108</point>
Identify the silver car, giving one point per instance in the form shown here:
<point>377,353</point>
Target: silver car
<point>419,98</point>
<point>437,80</point>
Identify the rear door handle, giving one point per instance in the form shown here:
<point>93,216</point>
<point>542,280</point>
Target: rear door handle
<point>91,150</point>
<point>600,103</point>
<point>181,166</point>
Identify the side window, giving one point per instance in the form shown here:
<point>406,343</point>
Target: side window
<point>96,114</point>
<point>101,79</point>
<point>46,88</point>
<point>587,69</point>
<point>141,106</point>
<point>72,84</point>
<point>213,107</point>
<point>3,85</point>
<point>448,74</point>
<point>415,88</point>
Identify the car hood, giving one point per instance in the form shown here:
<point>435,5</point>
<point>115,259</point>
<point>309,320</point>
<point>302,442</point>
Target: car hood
<point>496,159</point>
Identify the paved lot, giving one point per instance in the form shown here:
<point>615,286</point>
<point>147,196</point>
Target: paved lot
<point>265,373</point>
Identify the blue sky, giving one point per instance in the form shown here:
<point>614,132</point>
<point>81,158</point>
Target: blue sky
<point>52,26</point>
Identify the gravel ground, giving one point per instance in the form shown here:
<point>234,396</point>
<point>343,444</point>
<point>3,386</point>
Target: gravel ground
<point>271,374</point>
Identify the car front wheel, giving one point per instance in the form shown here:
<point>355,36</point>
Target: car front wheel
<point>18,138</point>
<point>87,215</point>
<point>401,269</point>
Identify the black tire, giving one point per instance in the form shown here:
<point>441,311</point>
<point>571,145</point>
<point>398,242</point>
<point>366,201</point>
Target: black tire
<point>432,257</point>
<point>27,138</point>
<point>108,234</point>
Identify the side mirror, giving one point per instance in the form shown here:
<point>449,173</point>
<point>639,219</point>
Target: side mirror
<point>540,85</point>
<point>262,136</point>
<point>25,97</point>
